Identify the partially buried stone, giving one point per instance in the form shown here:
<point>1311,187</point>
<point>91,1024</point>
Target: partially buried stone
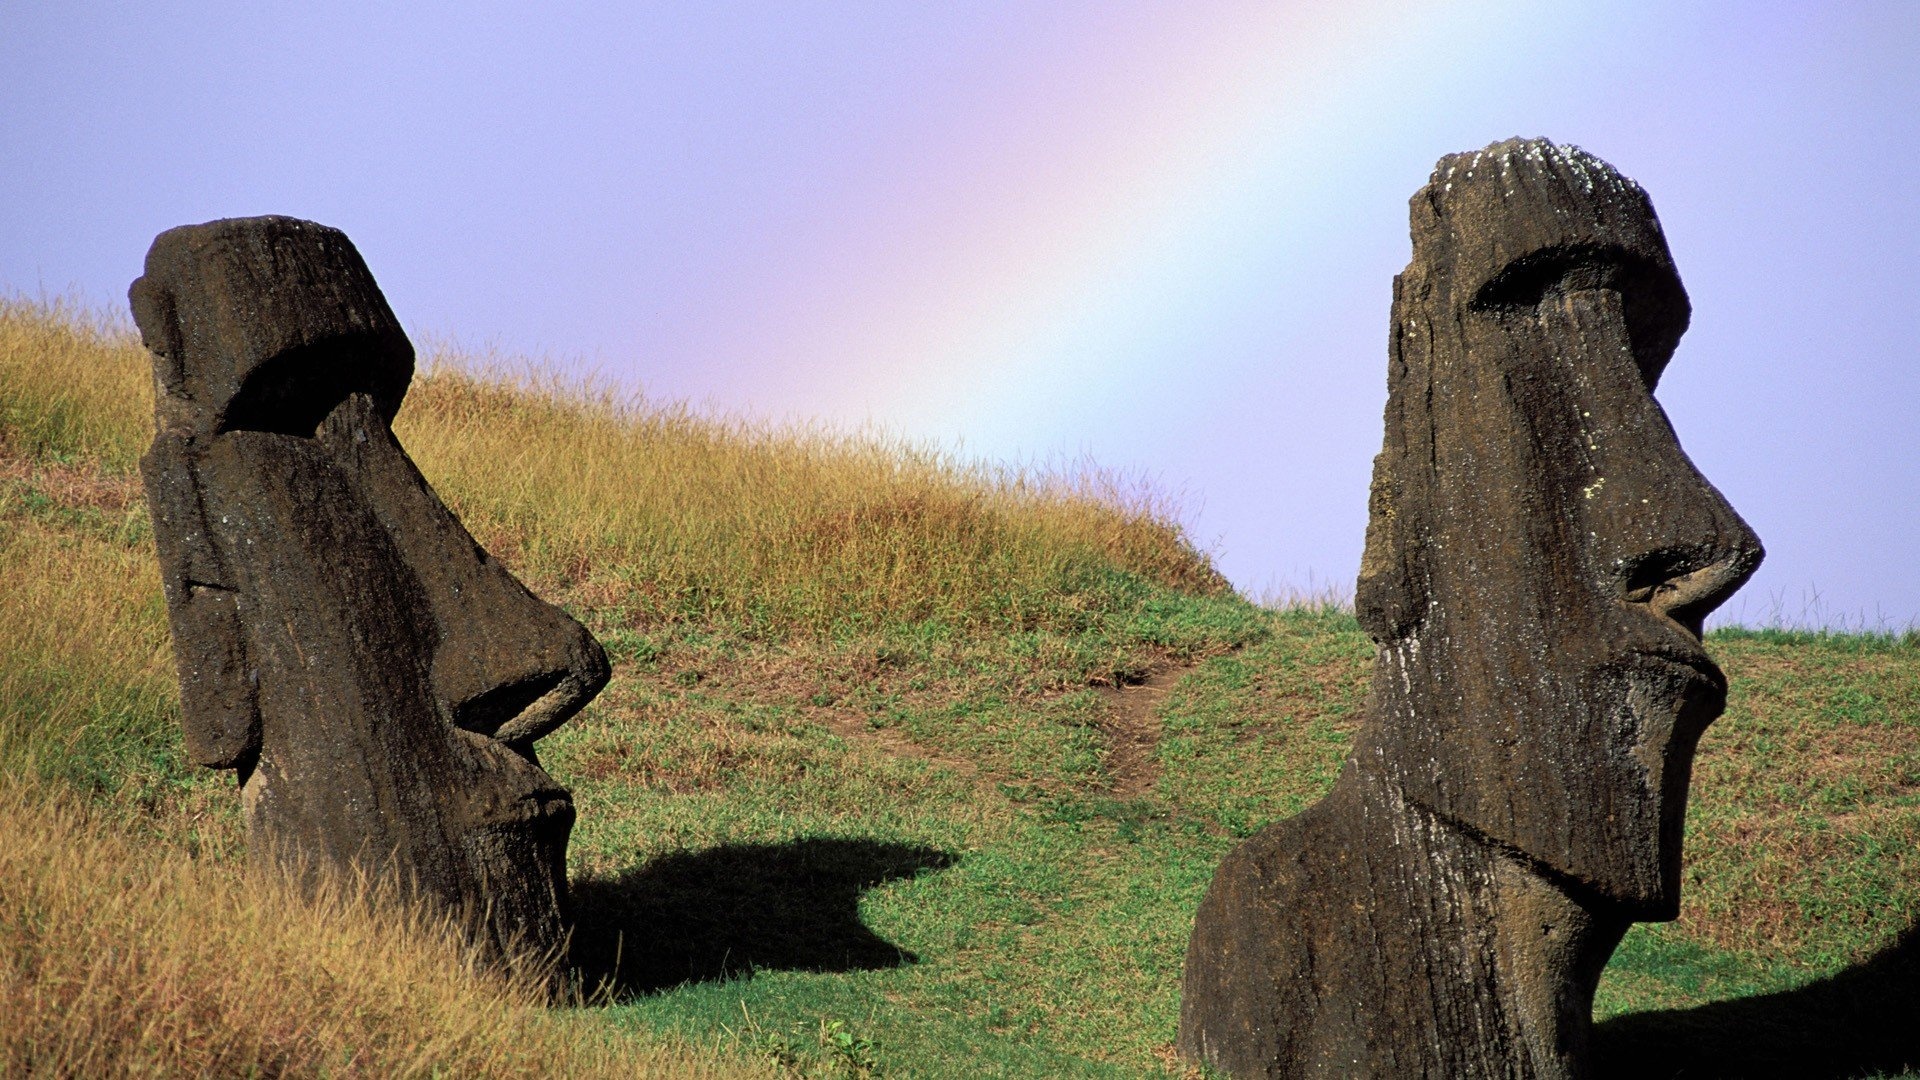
<point>1540,556</point>
<point>375,677</point>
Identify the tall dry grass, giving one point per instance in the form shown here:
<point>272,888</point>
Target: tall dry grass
<point>86,676</point>
<point>74,381</point>
<point>119,959</point>
<point>677,516</point>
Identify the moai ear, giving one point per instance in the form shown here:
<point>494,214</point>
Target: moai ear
<point>219,706</point>
<point>1391,595</point>
<point>159,323</point>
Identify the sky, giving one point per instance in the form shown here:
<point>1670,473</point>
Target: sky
<point>1157,235</point>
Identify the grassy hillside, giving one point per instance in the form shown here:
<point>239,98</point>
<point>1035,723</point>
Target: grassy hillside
<point>908,767</point>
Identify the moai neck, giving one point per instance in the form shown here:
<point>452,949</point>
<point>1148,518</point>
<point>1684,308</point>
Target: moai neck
<point>1506,957</point>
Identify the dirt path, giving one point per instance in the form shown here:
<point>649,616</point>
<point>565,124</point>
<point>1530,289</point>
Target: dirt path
<point>854,728</point>
<point>1129,723</point>
<point>1133,731</point>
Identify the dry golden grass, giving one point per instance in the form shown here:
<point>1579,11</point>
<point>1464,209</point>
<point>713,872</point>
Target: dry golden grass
<point>699,517</point>
<point>671,515</point>
<point>86,635</point>
<point>117,959</point>
<point>73,382</point>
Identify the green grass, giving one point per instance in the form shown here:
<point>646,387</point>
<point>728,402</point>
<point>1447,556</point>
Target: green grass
<point>1048,918</point>
<point>889,839</point>
<point>978,837</point>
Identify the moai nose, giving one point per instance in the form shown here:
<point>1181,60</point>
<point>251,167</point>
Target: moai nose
<point>521,672</point>
<point>507,664</point>
<point>1688,577</point>
<point>1667,538</point>
<point>1688,596</point>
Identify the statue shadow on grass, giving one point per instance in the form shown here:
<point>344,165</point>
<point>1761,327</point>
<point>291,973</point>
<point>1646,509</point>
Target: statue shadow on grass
<point>725,912</point>
<point>1862,1021</point>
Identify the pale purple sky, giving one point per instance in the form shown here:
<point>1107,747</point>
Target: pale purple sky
<point>1157,234</point>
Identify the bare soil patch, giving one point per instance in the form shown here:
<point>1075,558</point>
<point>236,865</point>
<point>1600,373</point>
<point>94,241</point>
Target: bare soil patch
<point>1133,729</point>
<point>854,727</point>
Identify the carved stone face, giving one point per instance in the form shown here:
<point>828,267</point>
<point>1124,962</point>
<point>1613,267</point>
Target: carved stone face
<point>377,678</point>
<point>1541,552</point>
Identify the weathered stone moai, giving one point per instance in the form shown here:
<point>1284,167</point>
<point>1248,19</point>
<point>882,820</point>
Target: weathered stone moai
<point>376,679</point>
<point>1540,556</point>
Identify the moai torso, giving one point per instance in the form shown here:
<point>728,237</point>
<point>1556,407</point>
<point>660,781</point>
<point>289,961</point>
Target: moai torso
<point>1540,557</point>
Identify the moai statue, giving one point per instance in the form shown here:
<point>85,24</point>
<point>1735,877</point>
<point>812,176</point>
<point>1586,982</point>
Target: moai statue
<point>376,679</point>
<point>1540,556</point>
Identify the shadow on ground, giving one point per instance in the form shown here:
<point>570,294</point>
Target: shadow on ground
<point>1864,1021</point>
<point>728,911</point>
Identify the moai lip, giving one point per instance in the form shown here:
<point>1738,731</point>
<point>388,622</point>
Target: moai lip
<point>375,678</point>
<point>1540,557</point>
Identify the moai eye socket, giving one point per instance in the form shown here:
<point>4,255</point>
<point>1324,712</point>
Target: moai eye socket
<point>1530,279</point>
<point>1651,296</point>
<point>293,392</point>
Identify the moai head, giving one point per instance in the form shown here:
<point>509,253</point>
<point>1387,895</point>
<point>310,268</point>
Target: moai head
<point>1541,553</point>
<point>376,678</point>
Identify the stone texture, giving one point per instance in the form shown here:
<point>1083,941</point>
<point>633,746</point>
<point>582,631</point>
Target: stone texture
<point>375,678</point>
<point>1540,556</point>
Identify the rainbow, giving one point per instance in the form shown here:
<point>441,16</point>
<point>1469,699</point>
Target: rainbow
<point>1094,246</point>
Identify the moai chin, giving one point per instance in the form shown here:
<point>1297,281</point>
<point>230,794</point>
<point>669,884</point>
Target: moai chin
<point>1540,556</point>
<point>376,679</point>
